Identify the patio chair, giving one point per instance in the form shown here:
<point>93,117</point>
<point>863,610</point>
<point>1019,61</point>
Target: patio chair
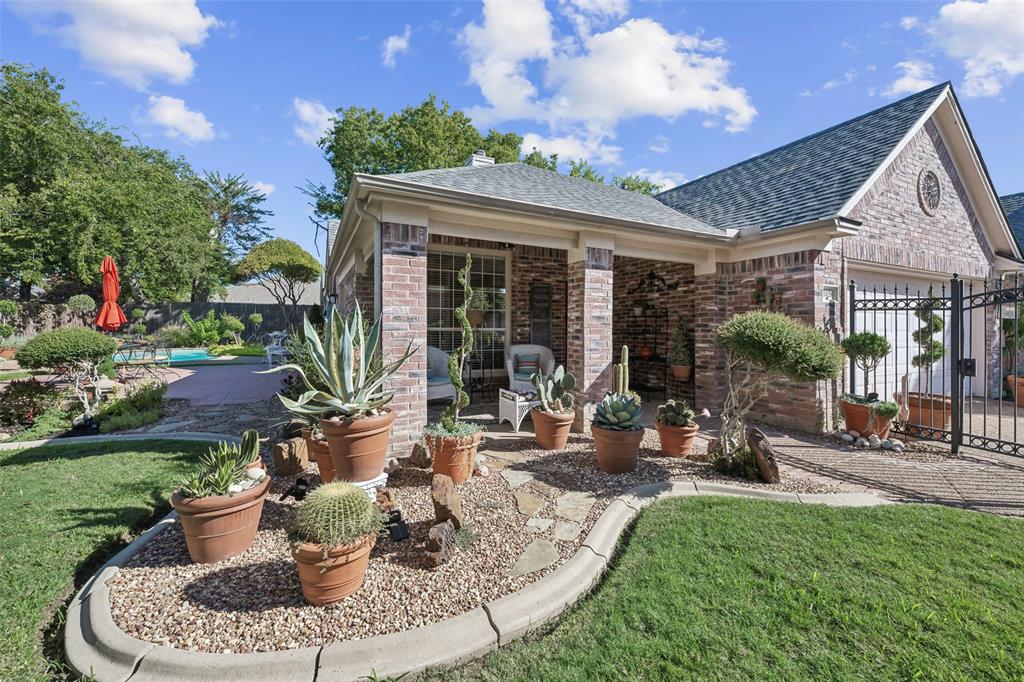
<point>438,384</point>
<point>275,353</point>
<point>519,372</point>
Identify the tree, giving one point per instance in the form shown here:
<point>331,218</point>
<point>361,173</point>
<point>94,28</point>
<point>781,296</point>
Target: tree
<point>536,158</point>
<point>281,267</point>
<point>636,183</point>
<point>581,168</point>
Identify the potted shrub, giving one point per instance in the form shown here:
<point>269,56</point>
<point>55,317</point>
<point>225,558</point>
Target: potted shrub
<point>762,347</point>
<point>336,526</point>
<point>349,396</point>
<point>453,443</point>
<point>862,413</point>
<point>617,426</point>
<point>220,501</point>
<point>553,418</point>
<point>928,409</point>
<point>680,358</point>
<point>8,309</point>
<point>677,428</point>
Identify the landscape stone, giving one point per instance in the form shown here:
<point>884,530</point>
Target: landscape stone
<point>290,457</point>
<point>874,441</point>
<point>887,444</point>
<point>764,455</point>
<point>420,456</point>
<point>566,531</point>
<point>447,503</point>
<point>386,499</point>
<point>528,504</point>
<point>847,438</point>
<point>440,543</point>
<point>862,443</point>
<point>574,506</point>
<point>535,525</point>
<point>391,466</point>
<point>538,554</point>
<point>516,477</point>
<point>544,488</point>
<point>855,434</point>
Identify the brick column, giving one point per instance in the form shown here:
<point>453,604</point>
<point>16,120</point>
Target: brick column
<point>404,319</point>
<point>709,361</point>
<point>589,352</point>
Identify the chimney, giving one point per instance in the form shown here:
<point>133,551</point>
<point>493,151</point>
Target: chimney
<point>479,158</point>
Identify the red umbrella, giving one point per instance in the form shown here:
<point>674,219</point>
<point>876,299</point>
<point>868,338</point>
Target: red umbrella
<point>111,317</point>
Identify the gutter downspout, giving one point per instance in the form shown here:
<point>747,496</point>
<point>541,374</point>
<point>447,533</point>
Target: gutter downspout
<point>360,207</point>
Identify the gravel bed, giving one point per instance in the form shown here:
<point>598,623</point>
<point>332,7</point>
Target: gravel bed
<point>253,602</point>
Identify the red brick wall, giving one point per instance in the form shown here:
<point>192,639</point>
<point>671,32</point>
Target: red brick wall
<point>589,340</point>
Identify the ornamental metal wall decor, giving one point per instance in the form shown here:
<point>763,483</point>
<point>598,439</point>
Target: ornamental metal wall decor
<point>654,283</point>
<point>929,192</point>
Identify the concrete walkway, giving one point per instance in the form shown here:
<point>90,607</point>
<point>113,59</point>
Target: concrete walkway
<point>221,385</point>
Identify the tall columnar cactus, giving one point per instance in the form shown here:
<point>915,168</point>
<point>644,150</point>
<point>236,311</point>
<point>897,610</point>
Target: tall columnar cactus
<point>553,390</point>
<point>457,359</point>
<point>250,445</point>
<point>676,413</point>
<point>336,514</point>
<point>618,412</point>
<point>620,372</point>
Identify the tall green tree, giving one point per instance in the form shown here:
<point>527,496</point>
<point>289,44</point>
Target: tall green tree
<point>283,268</point>
<point>581,168</point>
<point>636,183</point>
<point>536,158</point>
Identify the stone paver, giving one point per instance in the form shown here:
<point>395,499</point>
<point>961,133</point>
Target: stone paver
<point>574,506</point>
<point>516,477</point>
<point>538,554</point>
<point>535,525</point>
<point>566,531</point>
<point>528,504</point>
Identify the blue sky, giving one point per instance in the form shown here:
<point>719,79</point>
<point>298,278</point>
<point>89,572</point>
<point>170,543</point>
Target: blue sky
<point>670,89</point>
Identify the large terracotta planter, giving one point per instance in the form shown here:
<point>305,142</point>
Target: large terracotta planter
<point>322,454</point>
<point>359,447</point>
<point>617,451</point>
<point>1017,386</point>
<point>222,526</point>
<point>858,418</point>
<point>454,456</point>
<point>7,353</point>
<point>682,372</point>
<point>930,411</point>
<point>676,441</point>
<point>325,581</point>
<point>551,429</point>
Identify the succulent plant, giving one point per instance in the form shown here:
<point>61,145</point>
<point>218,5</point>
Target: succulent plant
<point>553,390</point>
<point>251,445</point>
<point>223,466</point>
<point>620,371</point>
<point>618,412</point>
<point>336,514</point>
<point>347,363</point>
<point>676,413</point>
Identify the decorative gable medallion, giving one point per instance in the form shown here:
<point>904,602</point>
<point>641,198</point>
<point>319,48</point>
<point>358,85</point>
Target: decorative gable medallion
<point>928,191</point>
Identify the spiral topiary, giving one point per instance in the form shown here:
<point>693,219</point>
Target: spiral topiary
<point>336,514</point>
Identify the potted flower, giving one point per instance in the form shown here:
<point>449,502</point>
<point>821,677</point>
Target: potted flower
<point>220,501</point>
<point>8,309</point>
<point>349,396</point>
<point>336,526</point>
<point>680,358</point>
<point>677,428</point>
<point>453,443</point>
<point>617,425</point>
<point>865,414</point>
<point>553,418</point>
<point>928,409</point>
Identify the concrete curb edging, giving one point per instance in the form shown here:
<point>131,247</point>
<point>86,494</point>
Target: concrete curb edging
<point>95,645</point>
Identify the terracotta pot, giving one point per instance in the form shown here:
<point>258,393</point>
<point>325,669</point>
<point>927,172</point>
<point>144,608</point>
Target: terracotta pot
<point>222,526</point>
<point>858,418</point>
<point>322,454</point>
<point>617,451</point>
<point>475,317</point>
<point>930,411</point>
<point>325,581</point>
<point>645,352</point>
<point>1017,386</point>
<point>359,447</point>
<point>676,441</point>
<point>682,372</point>
<point>551,430</point>
<point>454,456</point>
<point>8,353</point>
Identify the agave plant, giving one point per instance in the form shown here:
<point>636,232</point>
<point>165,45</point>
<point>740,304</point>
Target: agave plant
<point>618,412</point>
<point>348,365</point>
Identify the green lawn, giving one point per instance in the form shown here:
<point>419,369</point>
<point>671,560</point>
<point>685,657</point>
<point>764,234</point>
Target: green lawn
<point>718,588</point>
<point>13,374</point>
<point>64,511</point>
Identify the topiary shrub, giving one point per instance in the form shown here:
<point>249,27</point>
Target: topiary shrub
<point>763,347</point>
<point>866,349</point>
<point>682,346</point>
<point>932,350</point>
<point>231,328</point>
<point>336,514</point>
<point>65,348</point>
<point>81,304</point>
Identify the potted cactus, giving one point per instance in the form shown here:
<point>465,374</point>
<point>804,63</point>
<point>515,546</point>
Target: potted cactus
<point>453,443</point>
<point>865,414</point>
<point>220,500</point>
<point>352,404</point>
<point>677,428</point>
<point>553,418</point>
<point>617,426</point>
<point>680,358</point>
<point>336,526</point>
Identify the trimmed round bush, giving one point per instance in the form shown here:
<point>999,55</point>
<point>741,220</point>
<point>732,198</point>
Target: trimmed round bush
<point>81,304</point>
<point>778,344</point>
<point>64,348</point>
<point>8,309</point>
<point>867,345</point>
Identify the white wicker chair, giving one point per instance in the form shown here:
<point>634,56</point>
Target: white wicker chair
<point>437,361</point>
<point>521,383</point>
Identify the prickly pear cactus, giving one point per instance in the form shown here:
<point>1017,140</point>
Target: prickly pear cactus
<point>554,390</point>
<point>618,412</point>
<point>336,514</point>
<point>676,413</point>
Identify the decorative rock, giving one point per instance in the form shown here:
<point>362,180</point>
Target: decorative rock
<point>887,444</point>
<point>536,525</point>
<point>565,531</point>
<point>764,455</point>
<point>255,474</point>
<point>516,477</point>
<point>447,504</point>
<point>574,506</point>
<point>862,443</point>
<point>847,438</point>
<point>855,434</point>
<point>874,441</point>
<point>896,441</point>
<point>528,504</point>
<point>386,500</point>
<point>392,467</point>
<point>440,543</point>
<point>420,456</point>
<point>538,554</point>
<point>482,471</point>
<point>290,457</point>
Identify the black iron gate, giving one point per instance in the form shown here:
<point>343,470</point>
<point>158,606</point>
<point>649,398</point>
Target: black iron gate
<point>955,364</point>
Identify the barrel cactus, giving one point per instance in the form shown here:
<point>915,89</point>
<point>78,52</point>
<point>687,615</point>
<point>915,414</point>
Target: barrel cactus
<point>618,412</point>
<point>676,413</point>
<point>336,514</point>
<point>554,390</point>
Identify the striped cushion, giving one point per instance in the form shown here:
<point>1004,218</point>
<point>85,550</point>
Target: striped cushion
<point>528,364</point>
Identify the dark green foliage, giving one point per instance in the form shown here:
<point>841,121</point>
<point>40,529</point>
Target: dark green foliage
<point>64,348</point>
<point>866,349</point>
<point>777,344</point>
<point>81,304</point>
<point>22,402</point>
<point>682,346</point>
<point>636,183</point>
<point>107,368</point>
<point>315,315</point>
<point>932,350</point>
<point>231,328</point>
<point>138,329</point>
<point>283,268</point>
<point>536,158</point>
<point>130,420</point>
<point>203,332</point>
<point>138,314</point>
<point>6,331</point>
<point>582,169</point>
<point>8,309</point>
<point>142,404</point>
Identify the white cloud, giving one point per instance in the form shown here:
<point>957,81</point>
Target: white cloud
<point>133,42</point>
<point>178,121</point>
<point>394,46</point>
<point>659,144</point>
<point>908,23</point>
<point>584,14</point>
<point>266,188</point>
<point>987,38</point>
<point>917,75</point>
<point>664,179</point>
<point>570,147</point>
<point>846,79</point>
<point>312,120</point>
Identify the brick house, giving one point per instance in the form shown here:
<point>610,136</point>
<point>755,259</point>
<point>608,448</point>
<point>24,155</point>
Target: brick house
<point>899,195</point>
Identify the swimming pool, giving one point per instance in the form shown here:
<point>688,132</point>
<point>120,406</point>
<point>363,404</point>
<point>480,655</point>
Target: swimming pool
<point>176,356</point>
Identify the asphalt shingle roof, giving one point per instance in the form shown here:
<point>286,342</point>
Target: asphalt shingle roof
<point>520,182</point>
<point>803,181</point>
<point>1013,207</point>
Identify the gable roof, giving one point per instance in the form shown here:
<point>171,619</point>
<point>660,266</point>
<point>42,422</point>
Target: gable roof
<point>529,184</point>
<point>1013,207</point>
<point>803,181</point>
